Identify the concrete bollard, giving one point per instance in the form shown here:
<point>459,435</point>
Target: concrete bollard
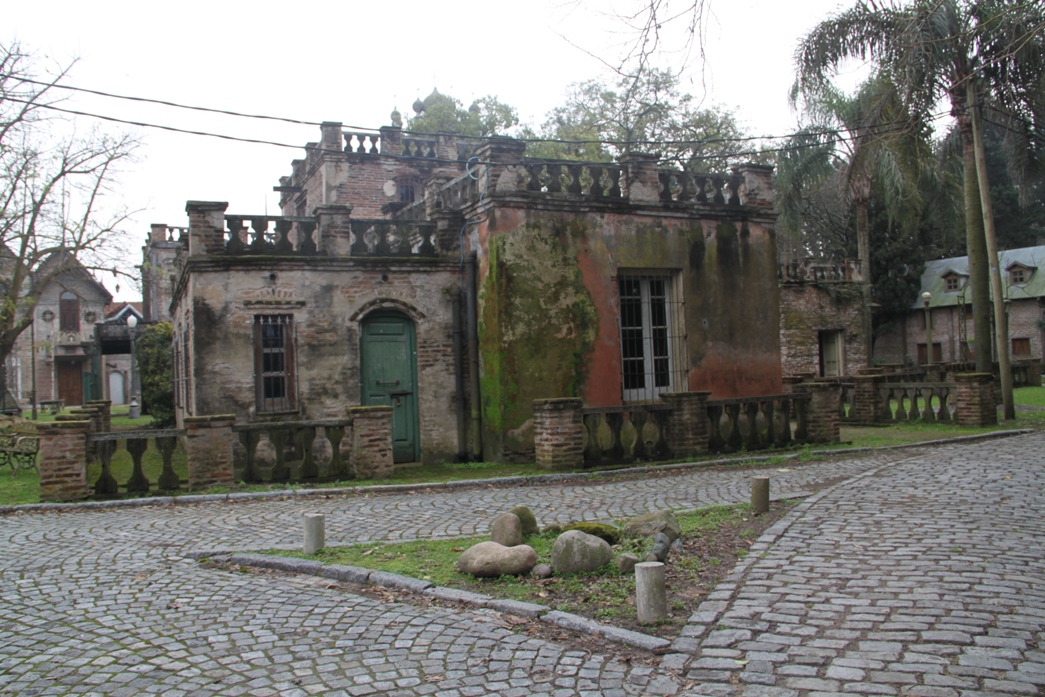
<point>760,495</point>
<point>651,595</point>
<point>314,532</point>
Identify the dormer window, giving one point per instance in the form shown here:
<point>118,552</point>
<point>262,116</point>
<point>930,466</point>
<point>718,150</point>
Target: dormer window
<point>1018,275</point>
<point>953,282</point>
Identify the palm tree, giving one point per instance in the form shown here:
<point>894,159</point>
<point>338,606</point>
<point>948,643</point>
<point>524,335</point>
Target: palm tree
<point>858,143</point>
<point>956,49</point>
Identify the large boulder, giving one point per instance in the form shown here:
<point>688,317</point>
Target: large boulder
<point>650,524</point>
<point>606,532</point>
<point>576,551</point>
<point>528,520</point>
<point>489,559</point>
<point>507,530</point>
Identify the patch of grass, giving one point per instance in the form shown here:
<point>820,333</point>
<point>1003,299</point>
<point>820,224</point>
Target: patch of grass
<point>1030,396</point>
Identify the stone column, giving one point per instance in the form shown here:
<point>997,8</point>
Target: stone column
<point>688,427</point>
<point>974,402</point>
<point>865,408</point>
<point>335,231</point>
<point>63,460</point>
<point>497,152</point>
<point>558,433</point>
<point>208,450</point>
<point>371,442</point>
<point>640,177</point>
<point>206,227</point>
<point>823,412</point>
<point>391,140</point>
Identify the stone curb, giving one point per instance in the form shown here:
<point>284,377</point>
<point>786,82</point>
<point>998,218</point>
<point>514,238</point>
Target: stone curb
<point>385,579</point>
<point>471,483</point>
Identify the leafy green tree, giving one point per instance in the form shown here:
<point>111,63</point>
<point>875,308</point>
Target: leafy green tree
<point>958,49</point>
<point>152,356</point>
<point>441,113</point>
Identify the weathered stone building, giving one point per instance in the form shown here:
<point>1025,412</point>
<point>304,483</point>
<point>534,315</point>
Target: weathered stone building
<point>458,285</point>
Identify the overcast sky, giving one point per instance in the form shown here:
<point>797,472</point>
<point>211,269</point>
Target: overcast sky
<point>354,62</point>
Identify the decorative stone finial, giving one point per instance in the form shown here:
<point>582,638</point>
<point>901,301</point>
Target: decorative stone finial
<point>419,106</point>
<point>397,118</point>
<point>474,108</point>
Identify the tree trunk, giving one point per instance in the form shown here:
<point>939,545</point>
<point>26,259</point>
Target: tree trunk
<point>976,249</point>
<point>863,250</point>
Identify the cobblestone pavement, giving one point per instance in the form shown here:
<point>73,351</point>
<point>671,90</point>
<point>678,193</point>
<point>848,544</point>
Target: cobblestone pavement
<point>104,602</point>
<point>923,578</point>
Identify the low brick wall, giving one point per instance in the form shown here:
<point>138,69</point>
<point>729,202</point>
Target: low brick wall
<point>208,450</point>
<point>63,460</point>
<point>371,440</point>
<point>558,429</point>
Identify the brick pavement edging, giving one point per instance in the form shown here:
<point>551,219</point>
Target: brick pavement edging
<point>470,483</point>
<point>384,579</point>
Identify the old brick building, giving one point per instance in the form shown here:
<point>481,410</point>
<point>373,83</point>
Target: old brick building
<point>459,282</point>
<point>950,311</point>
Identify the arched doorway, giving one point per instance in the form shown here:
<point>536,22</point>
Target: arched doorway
<point>388,376</point>
<point>117,393</point>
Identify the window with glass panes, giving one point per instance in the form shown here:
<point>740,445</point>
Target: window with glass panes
<point>649,320</point>
<point>274,362</point>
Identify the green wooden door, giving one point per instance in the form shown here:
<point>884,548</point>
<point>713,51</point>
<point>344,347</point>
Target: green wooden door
<point>388,376</point>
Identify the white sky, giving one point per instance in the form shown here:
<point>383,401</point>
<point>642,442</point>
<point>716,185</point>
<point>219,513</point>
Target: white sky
<point>353,62</point>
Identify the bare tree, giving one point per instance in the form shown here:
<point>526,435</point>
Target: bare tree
<point>55,215</point>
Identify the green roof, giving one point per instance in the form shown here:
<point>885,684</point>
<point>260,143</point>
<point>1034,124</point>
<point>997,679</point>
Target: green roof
<point>933,279</point>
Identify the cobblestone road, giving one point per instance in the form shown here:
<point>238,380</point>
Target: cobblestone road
<point>104,602</point>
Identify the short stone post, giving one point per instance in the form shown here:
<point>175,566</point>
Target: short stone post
<point>865,409</point>
<point>206,227</point>
<point>651,595</point>
<point>641,181</point>
<point>760,495</point>
<point>974,402</point>
<point>315,532</point>
<point>824,421</point>
<point>558,433</point>
<point>63,460</point>
<point>371,442</point>
<point>208,450</point>
<point>688,427</point>
<point>104,409</point>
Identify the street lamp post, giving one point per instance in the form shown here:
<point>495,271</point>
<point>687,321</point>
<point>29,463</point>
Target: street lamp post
<point>926,297</point>
<point>134,409</point>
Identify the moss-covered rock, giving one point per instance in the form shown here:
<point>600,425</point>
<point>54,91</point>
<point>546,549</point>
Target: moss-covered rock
<point>606,532</point>
<point>528,520</point>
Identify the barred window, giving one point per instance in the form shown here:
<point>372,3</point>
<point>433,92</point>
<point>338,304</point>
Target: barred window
<point>274,363</point>
<point>651,339</point>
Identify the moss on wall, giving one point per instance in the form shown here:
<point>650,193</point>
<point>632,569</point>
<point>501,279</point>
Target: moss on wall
<point>539,323</point>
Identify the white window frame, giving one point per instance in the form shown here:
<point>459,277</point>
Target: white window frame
<point>659,342</point>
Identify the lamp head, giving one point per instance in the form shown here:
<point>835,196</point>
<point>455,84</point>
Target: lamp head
<point>132,321</point>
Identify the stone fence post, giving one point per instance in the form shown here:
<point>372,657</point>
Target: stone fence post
<point>824,420</point>
<point>208,450</point>
<point>63,460</point>
<point>974,402</point>
<point>558,433</point>
<point>335,228</point>
<point>104,408</point>
<point>865,408</point>
<point>688,427</point>
<point>371,441</point>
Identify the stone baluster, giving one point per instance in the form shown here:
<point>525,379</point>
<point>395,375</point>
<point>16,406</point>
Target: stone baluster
<point>138,482</point>
<point>168,478</point>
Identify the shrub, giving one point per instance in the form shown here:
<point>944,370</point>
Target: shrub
<point>152,351</point>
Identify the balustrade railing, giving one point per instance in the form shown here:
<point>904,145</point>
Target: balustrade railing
<point>291,235</point>
<point>907,401</point>
<point>369,143</point>
<point>384,238</point>
<point>700,188</point>
<point>810,271</point>
<point>621,435</point>
<point>419,147</point>
<point>294,450</point>
<point>579,179</point>
<point>136,443</point>
<point>756,423</point>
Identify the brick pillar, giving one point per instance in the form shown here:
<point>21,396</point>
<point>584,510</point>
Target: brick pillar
<point>558,433</point>
<point>756,185</point>
<point>688,426</point>
<point>335,232</point>
<point>974,401</point>
<point>104,408</point>
<point>63,460</point>
<point>371,442</point>
<point>865,408</point>
<point>391,140</point>
<point>206,227</point>
<point>447,230</point>
<point>208,450</point>
<point>823,412</point>
<point>640,177</point>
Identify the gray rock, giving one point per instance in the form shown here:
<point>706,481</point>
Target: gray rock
<point>626,563</point>
<point>490,559</point>
<point>650,524</point>
<point>507,530</point>
<point>542,571</point>
<point>528,520</point>
<point>575,551</point>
